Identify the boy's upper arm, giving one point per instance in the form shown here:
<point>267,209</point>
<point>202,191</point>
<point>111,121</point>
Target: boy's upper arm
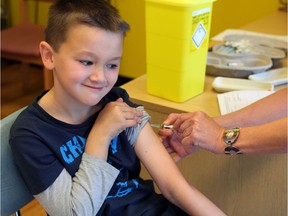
<point>155,158</point>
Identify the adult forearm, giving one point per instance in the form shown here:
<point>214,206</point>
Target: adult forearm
<point>266,138</point>
<point>263,111</point>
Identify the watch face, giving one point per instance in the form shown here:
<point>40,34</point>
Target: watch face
<point>229,134</point>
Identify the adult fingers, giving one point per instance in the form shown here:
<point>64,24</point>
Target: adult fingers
<point>172,117</point>
<point>165,132</point>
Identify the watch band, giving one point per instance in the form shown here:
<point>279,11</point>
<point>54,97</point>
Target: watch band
<point>230,136</point>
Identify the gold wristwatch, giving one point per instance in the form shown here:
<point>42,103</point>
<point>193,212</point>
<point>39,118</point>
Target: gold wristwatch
<point>230,136</point>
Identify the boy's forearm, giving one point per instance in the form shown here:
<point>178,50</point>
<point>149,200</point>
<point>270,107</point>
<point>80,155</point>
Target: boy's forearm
<point>192,201</point>
<point>82,195</point>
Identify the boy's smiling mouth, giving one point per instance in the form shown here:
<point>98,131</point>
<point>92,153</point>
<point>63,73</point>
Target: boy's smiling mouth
<point>94,87</point>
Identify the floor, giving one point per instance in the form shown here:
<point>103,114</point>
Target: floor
<point>14,96</point>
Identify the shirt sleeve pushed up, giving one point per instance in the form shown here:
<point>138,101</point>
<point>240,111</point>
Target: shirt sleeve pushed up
<point>133,132</point>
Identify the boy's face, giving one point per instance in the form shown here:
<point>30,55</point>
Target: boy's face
<point>86,65</point>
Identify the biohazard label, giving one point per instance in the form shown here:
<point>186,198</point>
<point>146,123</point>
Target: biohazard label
<point>200,27</point>
<point>199,35</point>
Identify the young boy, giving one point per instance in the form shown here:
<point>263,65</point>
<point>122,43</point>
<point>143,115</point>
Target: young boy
<point>78,145</point>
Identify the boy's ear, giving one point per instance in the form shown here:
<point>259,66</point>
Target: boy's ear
<point>46,52</point>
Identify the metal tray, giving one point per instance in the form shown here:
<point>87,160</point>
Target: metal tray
<point>240,67</point>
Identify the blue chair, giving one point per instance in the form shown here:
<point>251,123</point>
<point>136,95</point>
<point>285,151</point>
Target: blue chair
<point>14,193</point>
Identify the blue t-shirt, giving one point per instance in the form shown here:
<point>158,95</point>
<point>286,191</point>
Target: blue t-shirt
<point>44,146</point>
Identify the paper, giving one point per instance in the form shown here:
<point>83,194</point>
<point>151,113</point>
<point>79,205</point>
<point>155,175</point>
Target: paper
<point>221,35</point>
<point>235,100</point>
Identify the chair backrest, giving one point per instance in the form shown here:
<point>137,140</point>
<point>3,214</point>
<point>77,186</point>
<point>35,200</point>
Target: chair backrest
<point>14,193</point>
<point>21,42</point>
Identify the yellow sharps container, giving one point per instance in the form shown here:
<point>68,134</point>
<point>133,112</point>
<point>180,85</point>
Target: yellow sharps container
<point>177,37</point>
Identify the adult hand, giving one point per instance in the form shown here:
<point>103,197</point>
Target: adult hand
<point>192,131</point>
<point>172,139</point>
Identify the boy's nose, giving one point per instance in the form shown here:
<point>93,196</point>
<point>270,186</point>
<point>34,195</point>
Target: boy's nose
<point>98,74</point>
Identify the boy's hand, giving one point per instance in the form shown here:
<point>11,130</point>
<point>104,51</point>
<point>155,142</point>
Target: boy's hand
<point>116,117</point>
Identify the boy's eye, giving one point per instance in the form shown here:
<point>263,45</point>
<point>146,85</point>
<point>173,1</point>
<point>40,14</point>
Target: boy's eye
<point>86,63</point>
<point>111,66</point>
